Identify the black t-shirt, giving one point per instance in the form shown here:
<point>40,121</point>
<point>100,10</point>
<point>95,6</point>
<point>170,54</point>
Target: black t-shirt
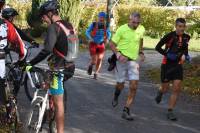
<point>173,43</point>
<point>55,39</point>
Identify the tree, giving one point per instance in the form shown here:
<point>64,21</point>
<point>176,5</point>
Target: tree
<point>71,11</point>
<point>32,17</point>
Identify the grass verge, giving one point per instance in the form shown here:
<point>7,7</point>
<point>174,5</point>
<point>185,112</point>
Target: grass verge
<point>191,77</point>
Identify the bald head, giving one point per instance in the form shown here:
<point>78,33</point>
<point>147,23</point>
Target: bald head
<point>135,15</point>
<point>134,20</point>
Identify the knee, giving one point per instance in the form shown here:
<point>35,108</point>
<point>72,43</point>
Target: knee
<point>94,62</point>
<point>177,89</point>
<point>133,86</point>
<point>120,86</point>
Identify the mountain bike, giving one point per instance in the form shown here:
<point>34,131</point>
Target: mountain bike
<point>42,107</point>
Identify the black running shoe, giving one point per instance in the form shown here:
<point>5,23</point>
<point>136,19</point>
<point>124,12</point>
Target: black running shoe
<point>127,115</point>
<point>171,116</point>
<point>158,98</point>
<point>89,71</point>
<point>95,76</point>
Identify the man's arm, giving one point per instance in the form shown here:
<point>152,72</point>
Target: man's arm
<point>108,33</point>
<point>113,47</point>
<point>49,44</point>
<point>23,35</point>
<point>141,46</point>
<point>88,32</point>
<point>14,38</point>
<point>161,43</point>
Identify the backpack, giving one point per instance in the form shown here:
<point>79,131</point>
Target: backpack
<point>73,44</point>
<point>182,43</point>
<point>3,35</point>
<point>96,28</point>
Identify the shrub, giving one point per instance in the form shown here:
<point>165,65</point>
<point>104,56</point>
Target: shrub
<point>23,9</point>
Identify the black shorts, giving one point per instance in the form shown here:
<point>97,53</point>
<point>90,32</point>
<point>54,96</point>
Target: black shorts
<point>170,72</point>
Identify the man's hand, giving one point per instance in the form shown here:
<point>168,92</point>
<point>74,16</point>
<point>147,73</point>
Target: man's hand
<point>142,56</point>
<point>35,44</point>
<point>28,68</point>
<point>121,58</point>
<point>187,58</point>
<point>91,40</point>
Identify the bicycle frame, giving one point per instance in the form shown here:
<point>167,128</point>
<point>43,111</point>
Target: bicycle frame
<point>43,103</point>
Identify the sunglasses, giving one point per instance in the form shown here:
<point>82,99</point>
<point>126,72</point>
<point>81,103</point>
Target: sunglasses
<point>134,22</point>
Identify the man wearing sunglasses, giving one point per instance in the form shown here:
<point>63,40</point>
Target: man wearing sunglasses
<point>127,44</point>
<point>175,52</point>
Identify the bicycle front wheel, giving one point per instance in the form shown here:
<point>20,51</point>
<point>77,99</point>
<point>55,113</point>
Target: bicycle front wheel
<point>32,81</point>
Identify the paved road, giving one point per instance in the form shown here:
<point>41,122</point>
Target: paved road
<point>90,111</point>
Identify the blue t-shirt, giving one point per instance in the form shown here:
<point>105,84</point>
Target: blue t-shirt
<point>99,37</point>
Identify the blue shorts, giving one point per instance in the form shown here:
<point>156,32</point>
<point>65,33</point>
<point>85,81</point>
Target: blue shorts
<point>57,87</point>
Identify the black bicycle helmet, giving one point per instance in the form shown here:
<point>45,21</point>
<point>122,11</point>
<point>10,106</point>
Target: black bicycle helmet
<point>2,1</point>
<point>51,5</point>
<point>9,12</point>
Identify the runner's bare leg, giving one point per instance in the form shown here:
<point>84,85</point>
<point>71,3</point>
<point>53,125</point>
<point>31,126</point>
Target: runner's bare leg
<point>59,105</point>
<point>175,93</point>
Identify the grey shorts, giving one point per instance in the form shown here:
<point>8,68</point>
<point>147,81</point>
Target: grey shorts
<point>127,71</point>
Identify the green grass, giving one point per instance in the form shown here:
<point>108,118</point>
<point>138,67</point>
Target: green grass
<point>191,77</point>
<point>150,43</point>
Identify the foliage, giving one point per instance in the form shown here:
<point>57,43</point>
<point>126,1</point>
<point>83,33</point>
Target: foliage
<point>156,20</point>
<point>71,10</point>
<point>23,10</point>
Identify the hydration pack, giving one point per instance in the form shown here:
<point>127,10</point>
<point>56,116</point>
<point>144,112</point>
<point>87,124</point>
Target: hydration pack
<point>73,44</point>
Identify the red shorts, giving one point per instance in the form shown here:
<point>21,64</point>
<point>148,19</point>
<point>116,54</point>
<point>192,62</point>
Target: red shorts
<point>96,48</point>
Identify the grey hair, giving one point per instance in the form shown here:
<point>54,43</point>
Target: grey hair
<point>135,15</point>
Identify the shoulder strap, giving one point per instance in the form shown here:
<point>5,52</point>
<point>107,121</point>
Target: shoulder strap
<point>94,29</point>
<point>170,42</point>
<point>66,30</point>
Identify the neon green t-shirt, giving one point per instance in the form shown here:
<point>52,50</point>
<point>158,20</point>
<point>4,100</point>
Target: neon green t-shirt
<point>128,40</point>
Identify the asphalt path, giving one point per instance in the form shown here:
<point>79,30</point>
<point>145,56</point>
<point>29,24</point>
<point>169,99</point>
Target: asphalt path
<point>89,107</point>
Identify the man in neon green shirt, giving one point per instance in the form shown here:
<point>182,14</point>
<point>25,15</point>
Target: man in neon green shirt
<point>127,44</point>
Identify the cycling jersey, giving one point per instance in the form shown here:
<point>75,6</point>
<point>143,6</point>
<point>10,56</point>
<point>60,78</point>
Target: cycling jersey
<point>9,34</point>
<point>99,36</point>
<point>173,44</point>
<point>56,40</point>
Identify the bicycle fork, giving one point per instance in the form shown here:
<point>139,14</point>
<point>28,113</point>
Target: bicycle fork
<point>41,103</point>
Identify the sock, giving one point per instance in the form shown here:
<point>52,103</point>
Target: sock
<point>126,109</point>
<point>170,110</point>
<point>117,93</point>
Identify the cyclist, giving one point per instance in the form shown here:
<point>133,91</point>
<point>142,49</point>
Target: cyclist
<point>98,33</point>
<point>57,46</point>
<point>175,52</point>
<point>8,34</point>
<point>10,14</point>
<point>127,44</point>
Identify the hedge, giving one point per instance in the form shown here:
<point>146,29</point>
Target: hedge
<point>156,20</point>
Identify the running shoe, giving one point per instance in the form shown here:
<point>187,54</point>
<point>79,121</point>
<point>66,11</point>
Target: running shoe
<point>171,116</point>
<point>127,115</point>
<point>89,71</point>
<point>95,76</point>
